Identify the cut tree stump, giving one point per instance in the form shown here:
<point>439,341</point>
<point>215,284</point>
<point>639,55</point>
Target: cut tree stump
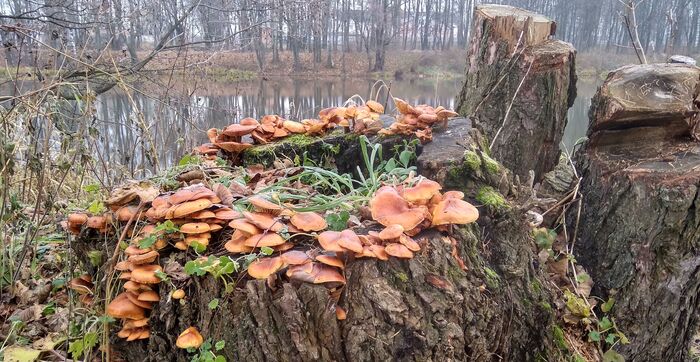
<point>493,307</point>
<point>639,230</point>
<point>519,85</point>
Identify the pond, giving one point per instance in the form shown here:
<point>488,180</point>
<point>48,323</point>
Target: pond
<point>173,117</point>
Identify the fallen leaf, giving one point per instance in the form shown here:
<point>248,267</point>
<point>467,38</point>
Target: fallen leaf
<point>21,354</point>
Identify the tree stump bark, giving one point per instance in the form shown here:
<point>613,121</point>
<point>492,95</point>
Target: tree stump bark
<point>519,85</point>
<point>639,230</point>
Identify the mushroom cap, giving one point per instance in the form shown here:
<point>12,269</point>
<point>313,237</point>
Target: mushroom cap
<point>283,247</point>
<point>80,285</point>
<point>234,147</point>
<point>204,214</point>
<point>96,222</point>
<point>195,228</point>
<point>244,226</point>
<point>135,250</point>
<point>379,251</point>
<point>454,211</point>
<point>350,241</point>
<point>389,208</point>
<point>189,338</point>
<point>238,130</point>
<point>264,267</point>
<point>178,294</point>
<point>149,296</point>
<point>189,193</point>
<point>249,122</point>
<point>330,260</point>
<point>135,287</point>
<point>122,307</point>
<point>264,205</point>
<point>236,244</point>
<point>324,274</point>
<point>146,274</point>
<point>77,218</point>
<point>144,258</point>
<point>123,265</point>
<point>308,221</point>
<point>391,232</point>
<point>180,245</point>
<point>421,192</point>
<point>340,313</point>
<point>135,323</point>
<point>294,127</point>
<point>227,214</point>
<point>200,239</point>
<point>295,257</point>
<point>375,106</point>
<point>446,113</point>
<point>187,208</point>
<point>453,195</point>
<point>329,241</point>
<point>126,213</point>
<point>134,298</point>
<point>264,221</point>
<point>265,239</point>
<point>409,243</point>
<point>398,250</point>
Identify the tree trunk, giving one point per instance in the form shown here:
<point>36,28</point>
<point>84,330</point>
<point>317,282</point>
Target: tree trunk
<point>639,229</point>
<point>519,86</point>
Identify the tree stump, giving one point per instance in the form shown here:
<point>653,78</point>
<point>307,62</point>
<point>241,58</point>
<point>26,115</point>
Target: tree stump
<point>519,85</point>
<point>475,296</point>
<point>639,230</point>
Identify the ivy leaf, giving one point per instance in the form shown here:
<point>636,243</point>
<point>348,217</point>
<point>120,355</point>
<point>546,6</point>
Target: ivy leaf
<point>220,359</point>
<point>89,340</point>
<point>193,268</point>
<point>612,356</point>
<point>605,324</point>
<point>607,306</point>
<point>220,345</point>
<point>213,304</point>
<point>623,338</point>
<point>610,339</point>
<point>339,221</point>
<point>266,250</point>
<point>92,188</point>
<point>594,336</point>
<point>198,247</point>
<point>147,242</point>
<point>189,160</point>
<point>96,207</point>
<point>405,157</point>
<point>161,275</point>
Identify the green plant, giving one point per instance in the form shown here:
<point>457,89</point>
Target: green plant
<point>206,352</point>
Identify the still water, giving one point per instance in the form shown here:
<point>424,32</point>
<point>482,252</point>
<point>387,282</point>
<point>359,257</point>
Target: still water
<point>176,117</point>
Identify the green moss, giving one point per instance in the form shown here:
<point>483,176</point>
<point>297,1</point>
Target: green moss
<point>492,278</point>
<point>546,306</point>
<point>559,340</point>
<point>489,197</point>
<point>472,161</point>
<point>492,166</point>
<point>265,154</point>
<point>403,277</point>
<point>536,286</point>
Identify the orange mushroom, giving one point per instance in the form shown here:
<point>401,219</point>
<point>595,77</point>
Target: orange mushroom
<point>308,221</point>
<point>398,250</point>
<point>454,211</point>
<point>389,208</point>
<point>264,267</point>
<point>189,338</point>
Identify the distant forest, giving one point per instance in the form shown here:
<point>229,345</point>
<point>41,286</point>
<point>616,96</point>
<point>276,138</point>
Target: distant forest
<point>325,27</point>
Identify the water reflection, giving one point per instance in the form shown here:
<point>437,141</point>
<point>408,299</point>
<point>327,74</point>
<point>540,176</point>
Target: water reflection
<point>176,120</point>
<point>167,121</point>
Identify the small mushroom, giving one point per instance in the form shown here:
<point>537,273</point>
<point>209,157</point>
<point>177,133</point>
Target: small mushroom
<point>454,211</point>
<point>422,192</point>
<point>350,241</point>
<point>149,296</point>
<point>264,221</point>
<point>189,338</point>
<point>391,232</point>
<point>187,208</point>
<point>389,208</point>
<point>178,294</point>
<point>195,228</point>
<point>398,250</point>
<point>265,239</point>
<point>145,258</point>
<point>295,257</point>
<point>146,274</point>
<point>264,267</point>
<point>244,226</point>
<point>308,221</point>
<point>122,307</point>
<point>331,260</point>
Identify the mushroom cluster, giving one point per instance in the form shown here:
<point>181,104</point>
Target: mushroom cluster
<point>76,221</point>
<point>363,119</point>
<point>417,120</point>
<point>84,287</point>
